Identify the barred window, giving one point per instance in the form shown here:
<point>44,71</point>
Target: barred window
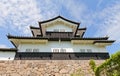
<point>35,50</point>
<point>62,50</point>
<point>28,50</point>
<point>89,50</point>
<point>82,50</point>
<point>56,30</point>
<point>62,30</point>
<point>55,50</point>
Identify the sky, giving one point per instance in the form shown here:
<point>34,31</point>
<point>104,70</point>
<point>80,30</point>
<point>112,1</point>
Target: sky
<point>100,17</point>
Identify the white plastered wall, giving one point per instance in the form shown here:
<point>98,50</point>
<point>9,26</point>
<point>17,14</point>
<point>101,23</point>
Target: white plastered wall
<point>59,26</point>
<point>60,44</point>
<point>7,55</point>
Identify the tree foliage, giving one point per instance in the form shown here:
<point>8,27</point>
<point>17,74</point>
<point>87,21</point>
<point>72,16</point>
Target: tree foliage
<point>77,73</point>
<point>111,67</point>
<point>92,64</point>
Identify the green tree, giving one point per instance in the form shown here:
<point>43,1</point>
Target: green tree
<point>111,67</point>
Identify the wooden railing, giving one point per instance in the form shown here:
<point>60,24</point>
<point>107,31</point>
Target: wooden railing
<point>59,34</point>
<point>59,56</point>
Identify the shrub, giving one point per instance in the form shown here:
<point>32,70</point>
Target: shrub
<point>92,64</point>
<point>111,67</point>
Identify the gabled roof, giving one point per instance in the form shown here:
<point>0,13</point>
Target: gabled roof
<point>60,18</point>
<point>73,23</point>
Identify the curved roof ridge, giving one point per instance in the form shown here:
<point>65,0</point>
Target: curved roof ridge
<point>61,18</point>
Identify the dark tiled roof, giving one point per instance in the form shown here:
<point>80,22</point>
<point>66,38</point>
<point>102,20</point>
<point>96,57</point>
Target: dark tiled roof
<point>71,38</point>
<point>82,28</point>
<point>104,41</point>
<point>90,38</point>
<point>8,49</point>
<point>57,18</point>
<point>24,37</point>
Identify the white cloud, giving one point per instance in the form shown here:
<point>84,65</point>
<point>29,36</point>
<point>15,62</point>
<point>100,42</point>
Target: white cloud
<point>99,3</point>
<point>75,8</point>
<point>18,15</point>
<point>110,24</point>
<point>48,9</point>
<point>3,46</point>
<point>78,11</point>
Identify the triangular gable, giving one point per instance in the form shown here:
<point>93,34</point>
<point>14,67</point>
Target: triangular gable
<point>57,21</point>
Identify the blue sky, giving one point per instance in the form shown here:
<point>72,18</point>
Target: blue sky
<point>101,17</point>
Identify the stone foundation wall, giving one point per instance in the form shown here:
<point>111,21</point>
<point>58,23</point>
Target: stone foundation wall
<point>45,67</point>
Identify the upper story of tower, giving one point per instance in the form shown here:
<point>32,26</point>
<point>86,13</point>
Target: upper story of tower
<point>59,29</point>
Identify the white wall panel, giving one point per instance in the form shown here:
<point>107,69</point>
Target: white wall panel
<point>56,44</point>
<point>7,55</point>
<point>51,28</point>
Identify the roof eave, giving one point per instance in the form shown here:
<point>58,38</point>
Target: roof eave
<point>82,28</point>
<point>32,27</point>
<point>8,49</point>
<point>104,41</point>
<point>99,38</point>
<point>82,33</point>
